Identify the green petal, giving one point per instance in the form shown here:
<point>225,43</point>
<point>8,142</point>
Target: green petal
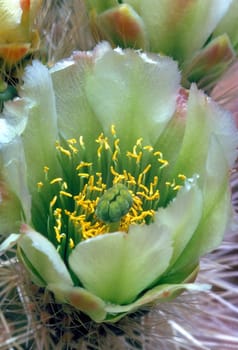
<point>129,88</point>
<point>216,211</point>
<point>208,149</point>
<point>158,294</point>
<point>75,116</point>
<point>111,91</point>
<point>182,216</point>
<point>41,259</point>
<point>81,299</point>
<point>118,266</point>
<point>205,120</point>
<point>179,30</point>
<point>41,131</point>
<point>13,120</point>
<point>173,133</point>
<point>16,205</point>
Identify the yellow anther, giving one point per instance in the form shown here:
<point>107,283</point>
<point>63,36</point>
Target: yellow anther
<point>118,179</point>
<point>148,148</point>
<point>177,187</point>
<point>85,175</point>
<point>143,216</point>
<point>147,168</point>
<point>64,185</point>
<point>56,180</point>
<point>66,194</point>
<point>71,243</point>
<point>140,179</point>
<point>91,181</point>
<point>182,177</point>
<point>116,143</point>
<point>159,154</point>
<point>113,171</point>
<point>155,181</point>
<point>139,156</point>
<point>58,235</point>
<point>73,149</point>
<point>152,186</point>
<point>53,201</point>
<point>131,179</point>
<point>72,141</point>
<point>103,141</point>
<point>126,175</point>
<point>99,151</point>
<point>139,141</point>
<point>81,142</point>
<point>40,185</point>
<point>83,164</point>
<point>115,156</point>
<point>164,162</point>
<point>131,155</point>
<point>143,187</point>
<point>64,151</point>
<point>98,189</point>
<point>113,130</point>
<point>46,169</point>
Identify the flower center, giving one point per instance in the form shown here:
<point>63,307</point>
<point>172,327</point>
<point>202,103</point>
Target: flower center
<point>104,190</point>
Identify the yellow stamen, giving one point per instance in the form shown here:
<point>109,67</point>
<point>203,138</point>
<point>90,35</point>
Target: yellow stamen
<point>86,175</point>
<point>113,130</point>
<point>63,150</point>
<point>148,148</point>
<point>72,141</point>
<point>53,201</point>
<point>66,194</point>
<point>56,180</point>
<point>40,185</point>
<point>182,177</point>
<point>83,164</point>
<point>164,162</point>
<point>85,182</point>
<point>71,243</point>
<point>81,142</point>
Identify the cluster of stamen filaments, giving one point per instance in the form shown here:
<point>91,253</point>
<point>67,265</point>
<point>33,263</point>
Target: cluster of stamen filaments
<point>72,209</point>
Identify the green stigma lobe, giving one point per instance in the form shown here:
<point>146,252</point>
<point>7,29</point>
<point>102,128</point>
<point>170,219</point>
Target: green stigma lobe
<point>114,204</point>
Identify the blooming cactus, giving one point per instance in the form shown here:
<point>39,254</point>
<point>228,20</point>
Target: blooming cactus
<point>201,35</point>
<point>128,177</point>
<point>16,35</point>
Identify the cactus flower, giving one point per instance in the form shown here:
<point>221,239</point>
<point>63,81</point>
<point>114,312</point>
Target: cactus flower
<point>122,176</point>
<point>17,38</point>
<point>200,35</point>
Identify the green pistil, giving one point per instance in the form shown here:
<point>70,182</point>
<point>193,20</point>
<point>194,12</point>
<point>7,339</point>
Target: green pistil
<point>114,204</point>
